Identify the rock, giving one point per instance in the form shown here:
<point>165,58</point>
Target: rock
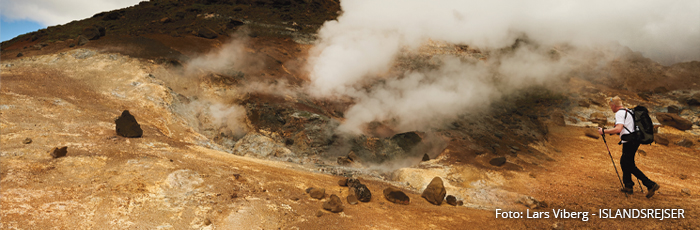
<point>57,152</point>
<point>319,213</point>
<point>352,199</point>
<point>344,161</point>
<point>333,204</point>
<point>686,191</point>
<point>361,192</point>
<point>498,161</point>
<point>317,193</point>
<point>71,45</point>
<point>683,176</point>
<point>20,54</point>
<point>257,145</point>
<point>694,100</point>
<point>396,196</point>
<point>111,16</point>
<point>352,182</point>
<point>207,222</point>
<point>531,202</point>
<point>435,192</point>
<point>353,157</point>
<point>599,118</point>
<point>460,203</point>
<point>407,140</point>
<point>584,103</point>
<point>674,120</point>
<point>673,109</point>
<point>426,157</point>
<point>558,226</point>
<point>82,40</point>
<point>685,143</point>
<point>91,33</point>
<point>308,190</point>
<point>207,33</point>
<point>343,182</point>
<point>165,20</point>
<point>451,200</point>
<point>558,119</point>
<point>127,125</point>
<point>27,140</point>
<point>592,133</point>
<point>661,140</point>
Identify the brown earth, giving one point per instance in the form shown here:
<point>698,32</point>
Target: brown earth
<point>170,178</point>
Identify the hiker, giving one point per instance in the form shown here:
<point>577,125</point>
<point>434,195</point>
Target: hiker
<point>624,123</point>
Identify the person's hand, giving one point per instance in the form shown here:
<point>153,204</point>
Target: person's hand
<point>600,131</point>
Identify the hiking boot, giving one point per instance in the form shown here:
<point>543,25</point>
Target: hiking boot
<point>652,190</point>
<point>627,190</point>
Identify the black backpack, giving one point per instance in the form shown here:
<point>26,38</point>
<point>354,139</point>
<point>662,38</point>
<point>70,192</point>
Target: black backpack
<point>644,132</point>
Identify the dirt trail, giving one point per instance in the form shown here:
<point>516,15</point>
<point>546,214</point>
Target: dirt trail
<point>170,179</point>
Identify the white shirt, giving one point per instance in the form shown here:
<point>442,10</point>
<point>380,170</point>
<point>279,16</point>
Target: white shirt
<point>628,123</point>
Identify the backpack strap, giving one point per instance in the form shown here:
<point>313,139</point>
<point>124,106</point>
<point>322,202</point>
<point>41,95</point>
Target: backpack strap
<point>623,121</point>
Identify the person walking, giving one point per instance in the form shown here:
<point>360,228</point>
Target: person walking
<point>624,125</point>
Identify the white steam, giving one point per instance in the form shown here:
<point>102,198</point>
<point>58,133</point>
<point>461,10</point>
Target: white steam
<point>364,43</point>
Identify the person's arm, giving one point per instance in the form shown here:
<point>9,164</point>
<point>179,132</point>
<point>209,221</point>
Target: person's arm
<point>618,128</point>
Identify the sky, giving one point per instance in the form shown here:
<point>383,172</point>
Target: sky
<point>23,16</point>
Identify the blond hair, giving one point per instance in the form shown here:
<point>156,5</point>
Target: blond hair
<point>616,101</point>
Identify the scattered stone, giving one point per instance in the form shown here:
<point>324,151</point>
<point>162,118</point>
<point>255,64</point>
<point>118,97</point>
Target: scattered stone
<point>685,143</point>
<point>317,193</point>
<point>592,133</point>
<point>642,152</point>
<point>353,157</point>
<point>207,33</point>
<point>674,120</point>
<point>460,203</point>
<point>683,176</point>
<point>127,125</point>
<point>584,103</point>
<point>333,204</point>
<point>165,20</point>
<point>27,141</point>
<point>57,152</point>
<point>531,202</point>
<point>207,222</point>
<point>319,213</point>
<point>343,182</point>
<point>361,192</point>
<point>352,199</point>
<point>20,54</point>
<point>308,190</point>
<point>396,196</point>
<point>498,161</point>
<point>661,140</point>
<point>344,160</point>
<point>426,157</point>
<point>451,200</point>
<point>686,191</point>
<point>71,45</point>
<point>673,109</point>
<point>82,40</point>
<point>352,182</point>
<point>435,192</point>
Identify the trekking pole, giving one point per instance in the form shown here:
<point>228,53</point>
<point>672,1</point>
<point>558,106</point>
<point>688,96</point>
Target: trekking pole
<point>613,161</point>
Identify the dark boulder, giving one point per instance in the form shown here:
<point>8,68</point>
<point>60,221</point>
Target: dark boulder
<point>127,125</point>
<point>57,152</point>
<point>396,196</point>
<point>343,182</point>
<point>694,100</point>
<point>361,192</point>
<point>498,161</point>
<point>435,192</point>
<point>673,109</point>
<point>207,33</point>
<point>20,54</point>
<point>451,200</point>
<point>82,40</point>
<point>91,33</point>
<point>674,120</point>
<point>426,157</point>
<point>333,204</point>
<point>407,140</point>
<point>317,193</point>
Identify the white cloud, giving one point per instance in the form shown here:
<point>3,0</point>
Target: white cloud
<point>55,12</point>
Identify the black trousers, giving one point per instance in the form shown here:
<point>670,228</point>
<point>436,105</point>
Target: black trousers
<point>629,168</point>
